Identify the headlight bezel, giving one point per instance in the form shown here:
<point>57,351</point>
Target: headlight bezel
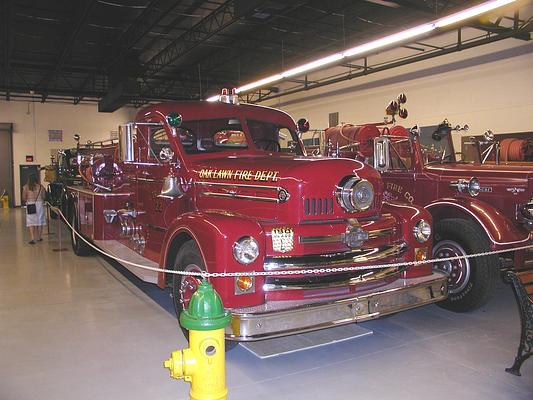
<point>471,186</point>
<point>422,231</point>
<point>474,187</point>
<point>238,249</point>
<point>527,209</point>
<point>347,190</point>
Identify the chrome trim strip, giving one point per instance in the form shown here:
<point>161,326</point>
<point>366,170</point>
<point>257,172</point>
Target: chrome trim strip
<point>149,180</point>
<point>240,196</point>
<point>378,233</point>
<point>322,221</point>
<point>344,259</point>
<point>321,239</point>
<point>231,191</point>
<point>364,277</point>
<point>87,191</point>
<point>374,234</point>
<point>272,320</point>
<point>242,185</point>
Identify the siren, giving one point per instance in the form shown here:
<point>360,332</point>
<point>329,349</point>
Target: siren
<point>225,97</point>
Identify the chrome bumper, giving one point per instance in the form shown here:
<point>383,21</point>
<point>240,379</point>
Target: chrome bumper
<point>281,318</point>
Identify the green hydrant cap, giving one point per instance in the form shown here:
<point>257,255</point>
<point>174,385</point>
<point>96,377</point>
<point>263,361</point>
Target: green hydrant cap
<point>205,311</point>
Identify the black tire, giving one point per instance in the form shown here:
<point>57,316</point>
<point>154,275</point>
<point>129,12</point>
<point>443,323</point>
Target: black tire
<point>53,214</point>
<point>79,247</point>
<point>472,281</point>
<point>188,258</point>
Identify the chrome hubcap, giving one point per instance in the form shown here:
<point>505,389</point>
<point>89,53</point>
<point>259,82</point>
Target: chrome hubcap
<point>188,285</point>
<point>458,270</point>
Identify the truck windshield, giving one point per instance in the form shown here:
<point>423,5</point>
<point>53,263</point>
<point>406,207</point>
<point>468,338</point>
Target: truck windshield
<point>210,136</point>
<point>273,138</point>
<point>435,149</point>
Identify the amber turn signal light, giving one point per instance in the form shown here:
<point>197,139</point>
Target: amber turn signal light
<point>244,284</point>
<point>421,254</point>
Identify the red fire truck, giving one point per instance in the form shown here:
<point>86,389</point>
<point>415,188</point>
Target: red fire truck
<point>476,207</point>
<point>224,187</point>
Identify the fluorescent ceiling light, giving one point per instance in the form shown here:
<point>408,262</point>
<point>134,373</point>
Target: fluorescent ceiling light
<point>378,43</point>
<point>312,65</point>
<point>385,3</point>
<point>471,12</point>
<point>259,83</point>
<point>388,40</point>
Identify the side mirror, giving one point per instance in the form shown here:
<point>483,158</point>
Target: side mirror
<point>126,140</point>
<point>302,125</point>
<point>381,153</point>
<point>442,130</point>
<point>415,131</point>
<point>489,136</point>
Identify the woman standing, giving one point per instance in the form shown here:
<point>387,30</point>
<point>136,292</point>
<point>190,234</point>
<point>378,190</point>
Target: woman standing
<point>33,194</point>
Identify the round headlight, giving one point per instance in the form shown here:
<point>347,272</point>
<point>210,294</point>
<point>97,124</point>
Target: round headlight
<point>355,194</point>
<point>363,195</point>
<point>246,250</point>
<point>474,186</point>
<point>422,231</point>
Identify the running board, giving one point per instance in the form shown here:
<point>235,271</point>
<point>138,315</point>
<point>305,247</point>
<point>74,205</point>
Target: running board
<point>117,249</point>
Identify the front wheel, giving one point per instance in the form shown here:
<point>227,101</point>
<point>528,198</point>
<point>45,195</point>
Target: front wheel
<point>79,247</point>
<point>471,281</point>
<point>188,259</point>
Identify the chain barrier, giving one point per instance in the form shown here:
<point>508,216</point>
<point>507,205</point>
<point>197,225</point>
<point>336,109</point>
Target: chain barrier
<point>206,274</point>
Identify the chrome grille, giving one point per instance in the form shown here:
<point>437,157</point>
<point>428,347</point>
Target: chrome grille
<point>318,206</point>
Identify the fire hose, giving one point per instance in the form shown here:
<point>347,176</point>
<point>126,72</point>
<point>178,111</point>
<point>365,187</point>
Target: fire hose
<point>206,274</point>
<point>516,149</point>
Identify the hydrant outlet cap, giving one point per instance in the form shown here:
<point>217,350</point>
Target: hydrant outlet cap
<point>206,311</point>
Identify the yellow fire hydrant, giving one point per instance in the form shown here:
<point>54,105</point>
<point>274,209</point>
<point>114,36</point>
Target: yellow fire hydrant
<point>204,362</point>
<point>4,201</point>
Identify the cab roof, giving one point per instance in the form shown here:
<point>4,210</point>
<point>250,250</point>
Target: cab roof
<point>204,110</point>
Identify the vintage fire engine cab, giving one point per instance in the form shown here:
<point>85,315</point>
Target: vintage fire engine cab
<point>66,168</point>
<point>475,207</point>
<point>226,187</point>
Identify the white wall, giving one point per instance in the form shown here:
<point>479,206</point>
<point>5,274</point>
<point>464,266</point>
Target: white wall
<point>488,87</point>
<point>32,120</point>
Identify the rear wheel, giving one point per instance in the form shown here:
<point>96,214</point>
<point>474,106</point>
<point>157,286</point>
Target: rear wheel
<point>79,246</point>
<point>53,214</point>
<point>471,281</point>
<point>188,259</point>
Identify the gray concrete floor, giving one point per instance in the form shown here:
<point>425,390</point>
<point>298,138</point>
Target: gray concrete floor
<point>75,327</point>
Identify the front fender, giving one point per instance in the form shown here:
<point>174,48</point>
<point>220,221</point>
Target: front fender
<point>215,232</point>
<point>408,215</point>
<point>500,230</point>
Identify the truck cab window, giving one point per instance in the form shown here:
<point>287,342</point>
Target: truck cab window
<point>158,140</point>
<point>401,154</point>
<point>273,138</point>
<point>212,136</point>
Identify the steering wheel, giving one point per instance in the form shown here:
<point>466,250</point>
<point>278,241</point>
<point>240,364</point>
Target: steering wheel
<point>268,145</point>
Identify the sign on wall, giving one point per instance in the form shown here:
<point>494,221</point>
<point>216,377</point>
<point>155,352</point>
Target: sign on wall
<point>55,135</point>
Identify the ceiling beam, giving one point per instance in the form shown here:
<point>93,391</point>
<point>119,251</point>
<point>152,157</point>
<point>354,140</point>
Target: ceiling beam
<point>214,22</point>
<point>6,11</point>
<point>76,27</point>
<point>452,48</point>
